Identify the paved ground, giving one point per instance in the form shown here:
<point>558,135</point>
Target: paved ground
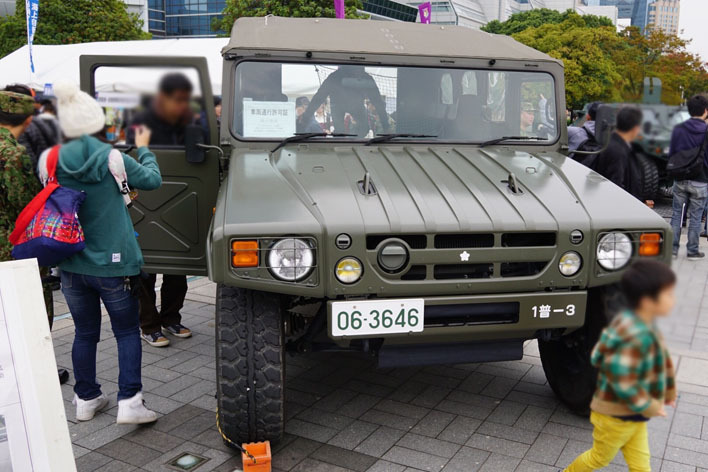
<point>343,415</point>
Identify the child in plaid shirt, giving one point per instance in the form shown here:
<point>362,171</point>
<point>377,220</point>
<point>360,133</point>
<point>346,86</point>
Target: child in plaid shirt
<point>636,376</point>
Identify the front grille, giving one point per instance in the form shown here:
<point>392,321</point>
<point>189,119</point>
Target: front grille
<point>528,239</point>
<point>471,314</point>
<point>415,241</point>
<point>416,272</point>
<point>463,241</point>
<point>521,269</point>
<point>463,271</point>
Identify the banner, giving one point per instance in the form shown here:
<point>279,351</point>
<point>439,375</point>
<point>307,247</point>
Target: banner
<point>425,9</point>
<point>32,13</point>
<point>339,8</point>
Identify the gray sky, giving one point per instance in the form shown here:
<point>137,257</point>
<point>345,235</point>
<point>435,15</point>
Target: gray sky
<point>693,22</point>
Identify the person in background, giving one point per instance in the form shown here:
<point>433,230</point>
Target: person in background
<point>578,135</point>
<point>19,183</point>
<point>310,124</point>
<point>41,134</point>
<point>106,271</point>
<point>527,118</point>
<point>167,117</point>
<point>636,376</point>
<point>616,161</point>
<point>689,196</point>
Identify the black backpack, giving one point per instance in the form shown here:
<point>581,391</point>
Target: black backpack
<point>589,145</point>
<point>687,164</point>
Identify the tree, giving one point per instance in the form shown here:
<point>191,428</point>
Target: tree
<point>590,56</point>
<point>289,8</point>
<point>519,22</point>
<point>71,21</point>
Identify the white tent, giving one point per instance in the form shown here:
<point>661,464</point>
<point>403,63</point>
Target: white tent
<point>60,63</point>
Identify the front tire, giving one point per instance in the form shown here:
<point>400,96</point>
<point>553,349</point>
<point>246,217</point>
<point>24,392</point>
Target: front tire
<point>649,175</point>
<point>566,361</point>
<point>250,365</point>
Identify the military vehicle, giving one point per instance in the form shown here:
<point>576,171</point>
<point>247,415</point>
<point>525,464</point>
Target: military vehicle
<point>416,207</point>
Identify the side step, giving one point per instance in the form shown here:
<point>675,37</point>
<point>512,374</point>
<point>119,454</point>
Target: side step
<point>457,353</point>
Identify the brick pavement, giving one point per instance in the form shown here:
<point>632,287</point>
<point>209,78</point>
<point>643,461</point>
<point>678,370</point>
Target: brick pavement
<point>344,415</point>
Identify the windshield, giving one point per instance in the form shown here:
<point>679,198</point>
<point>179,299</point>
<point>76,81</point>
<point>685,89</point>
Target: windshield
<point>275,101</point>
<point>678,118</point>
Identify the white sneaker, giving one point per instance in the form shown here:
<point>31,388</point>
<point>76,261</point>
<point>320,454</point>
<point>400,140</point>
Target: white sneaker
<point>133,411</point>
<point>86,409</point>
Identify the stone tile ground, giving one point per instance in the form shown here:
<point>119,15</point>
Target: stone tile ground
<point>344,415</point>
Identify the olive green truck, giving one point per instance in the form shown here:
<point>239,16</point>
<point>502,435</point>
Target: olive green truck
<point>390,188</point>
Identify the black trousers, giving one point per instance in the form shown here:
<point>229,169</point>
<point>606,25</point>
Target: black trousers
<point>173,291</point>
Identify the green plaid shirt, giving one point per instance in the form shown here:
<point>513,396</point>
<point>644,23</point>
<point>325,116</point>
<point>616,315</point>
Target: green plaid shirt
<point>636,375</point>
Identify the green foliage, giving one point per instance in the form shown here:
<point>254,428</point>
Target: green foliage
<point>519,22</point>
<point>603,65</point>
<point>71,21</point>
<point>288,8</point>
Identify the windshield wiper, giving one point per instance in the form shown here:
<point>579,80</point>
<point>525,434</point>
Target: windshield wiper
<point>298,137</point>
<point>510,138</point>
<point>381,138</point>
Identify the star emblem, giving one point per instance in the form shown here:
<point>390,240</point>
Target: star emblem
<point>464,256</point>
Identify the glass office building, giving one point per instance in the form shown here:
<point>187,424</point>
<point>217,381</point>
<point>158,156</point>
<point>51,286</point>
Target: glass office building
<point>184,18</point>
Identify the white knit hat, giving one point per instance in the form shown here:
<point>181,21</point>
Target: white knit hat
<point>78,112</point>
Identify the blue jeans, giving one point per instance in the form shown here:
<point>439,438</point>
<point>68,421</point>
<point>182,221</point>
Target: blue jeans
<point>689,196</point>
<point>84,294</point>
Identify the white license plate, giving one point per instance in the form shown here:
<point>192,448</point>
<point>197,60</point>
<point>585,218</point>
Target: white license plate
<point>372,317</point>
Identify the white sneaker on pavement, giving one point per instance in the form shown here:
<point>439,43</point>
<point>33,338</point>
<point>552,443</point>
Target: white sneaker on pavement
<point>133,411</point>
<point>86,409</point>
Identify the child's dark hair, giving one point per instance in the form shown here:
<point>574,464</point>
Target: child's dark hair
<point>646,279</point>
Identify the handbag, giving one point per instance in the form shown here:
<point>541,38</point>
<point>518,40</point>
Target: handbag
<point>48,228</point>
<point>686,164</point>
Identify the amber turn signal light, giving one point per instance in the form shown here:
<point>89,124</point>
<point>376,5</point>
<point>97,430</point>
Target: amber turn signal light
<point>650,244</point>
<point>244,253</point>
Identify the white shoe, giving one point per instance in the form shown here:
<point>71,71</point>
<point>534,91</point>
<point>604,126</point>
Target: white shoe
<point>133,411</point>
<point>86,409</point>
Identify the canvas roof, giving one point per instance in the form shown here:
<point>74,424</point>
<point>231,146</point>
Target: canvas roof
<point>274,33</point>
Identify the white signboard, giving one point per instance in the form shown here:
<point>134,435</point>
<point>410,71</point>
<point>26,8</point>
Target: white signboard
<point>268,119</point>
<point>34,435</point>
<point>118,99</point>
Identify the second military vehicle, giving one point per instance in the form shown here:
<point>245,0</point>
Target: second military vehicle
<point>390,188</point>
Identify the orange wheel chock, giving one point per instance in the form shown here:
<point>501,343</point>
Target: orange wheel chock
<point>257,457</point>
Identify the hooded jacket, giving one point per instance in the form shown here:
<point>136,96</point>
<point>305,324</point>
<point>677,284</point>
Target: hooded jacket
<point>690,135</point>
<point>112,249</point>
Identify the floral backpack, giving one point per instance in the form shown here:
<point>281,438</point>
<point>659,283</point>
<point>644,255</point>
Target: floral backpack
<point>48,228</point>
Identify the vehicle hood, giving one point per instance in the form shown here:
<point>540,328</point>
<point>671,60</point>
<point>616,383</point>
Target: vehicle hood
<point>423,189</point>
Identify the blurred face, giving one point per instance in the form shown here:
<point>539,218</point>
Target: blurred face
<point>662,304</point>
<point>634,133</point>
<point>217,110</point>
<point>526,118</point>
<point>300,110</point>
<point>174,106</point>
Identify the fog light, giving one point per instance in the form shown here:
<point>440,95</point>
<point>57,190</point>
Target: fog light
<point>570,263</point>
<point>349,270</point>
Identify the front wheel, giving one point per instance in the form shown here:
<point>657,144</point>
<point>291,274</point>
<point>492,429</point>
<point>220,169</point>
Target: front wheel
<point>249,365</point>
<point>566,361</point>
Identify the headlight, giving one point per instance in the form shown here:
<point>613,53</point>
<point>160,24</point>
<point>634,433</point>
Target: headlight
<point>348,270</point>
<point>291,259</point>
<point>614,251</point>
<point>570,263</point>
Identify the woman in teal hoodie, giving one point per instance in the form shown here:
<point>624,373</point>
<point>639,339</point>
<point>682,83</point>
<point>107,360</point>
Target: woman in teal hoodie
<point>103,271</point>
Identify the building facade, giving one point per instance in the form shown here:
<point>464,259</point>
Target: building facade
<point>664,15</point>
<point>183,18</point>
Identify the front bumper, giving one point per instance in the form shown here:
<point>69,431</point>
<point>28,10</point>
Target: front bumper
<point>489,317</point>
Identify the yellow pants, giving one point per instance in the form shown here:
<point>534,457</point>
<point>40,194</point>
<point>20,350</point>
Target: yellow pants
<point>609,437</point>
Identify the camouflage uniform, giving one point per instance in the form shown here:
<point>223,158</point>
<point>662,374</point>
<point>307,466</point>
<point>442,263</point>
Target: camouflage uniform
<point>18,183</point>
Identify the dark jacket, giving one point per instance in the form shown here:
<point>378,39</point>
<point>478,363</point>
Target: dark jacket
<point>614,163</point>
<point>690,135</point>
<point>39,136</point>
<point>163,133</point>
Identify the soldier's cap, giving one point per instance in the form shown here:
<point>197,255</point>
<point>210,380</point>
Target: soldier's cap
<point>528,106</point>
<point>16,103</point>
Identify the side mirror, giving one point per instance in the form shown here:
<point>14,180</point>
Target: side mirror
<point>193,140</point>
<point>647,128</point>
